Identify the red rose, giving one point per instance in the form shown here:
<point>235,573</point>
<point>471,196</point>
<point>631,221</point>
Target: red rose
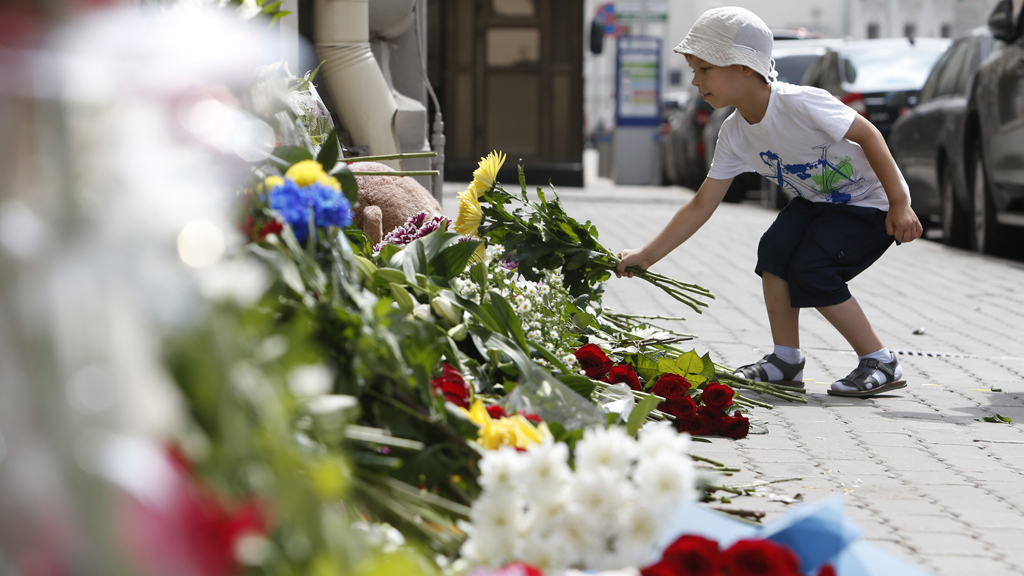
<point>272,227</point>
<point>717,396</point>
<point>451,384</point>
<point>495,411</point>
<point>624,373</point>
<point>694,556</point>
<point>531,417</point>
<point>671,387</point>
<point>760,558</point>
<point>593,360</point>
<point>734,427</point>
<point>660,569</point>
<point>710,412</point>
<point>827,570</point>
<point>682,409</point>
<point>701,425</point>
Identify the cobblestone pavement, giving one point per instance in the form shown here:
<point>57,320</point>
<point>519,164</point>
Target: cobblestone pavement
<point>920,474</point>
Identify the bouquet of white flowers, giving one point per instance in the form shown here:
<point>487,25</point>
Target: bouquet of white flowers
<point>607,513</point>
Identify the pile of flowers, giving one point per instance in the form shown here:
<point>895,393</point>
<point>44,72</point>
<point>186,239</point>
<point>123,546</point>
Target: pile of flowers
<point>608,511</point>
<point>696,411</point>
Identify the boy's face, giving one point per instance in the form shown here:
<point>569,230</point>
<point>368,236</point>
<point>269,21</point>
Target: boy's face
<point>719,85</point>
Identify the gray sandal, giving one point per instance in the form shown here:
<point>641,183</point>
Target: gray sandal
<point>864,381</point>
<point>789,371</point>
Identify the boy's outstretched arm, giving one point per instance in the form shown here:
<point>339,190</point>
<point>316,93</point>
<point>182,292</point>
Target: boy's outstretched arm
<point>901,222</point>
<point>687,220</point>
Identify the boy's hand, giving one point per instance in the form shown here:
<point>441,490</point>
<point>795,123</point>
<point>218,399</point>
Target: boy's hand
<point>902,223</point>
<point>629,258</point>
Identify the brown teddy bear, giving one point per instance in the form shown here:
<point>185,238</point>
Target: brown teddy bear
<point>386,202</point>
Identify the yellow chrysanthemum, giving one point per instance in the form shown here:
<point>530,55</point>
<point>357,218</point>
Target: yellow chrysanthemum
<point>272,182</point>
<point>487,172</point>
<point>470,213</point>
<point>515,431</point>
<point>306,172</point>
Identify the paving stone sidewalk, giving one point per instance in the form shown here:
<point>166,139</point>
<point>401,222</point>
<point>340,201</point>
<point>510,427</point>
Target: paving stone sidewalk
<point>920,474</point>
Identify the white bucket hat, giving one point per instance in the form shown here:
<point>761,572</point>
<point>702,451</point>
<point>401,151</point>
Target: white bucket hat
<point>731,35</point>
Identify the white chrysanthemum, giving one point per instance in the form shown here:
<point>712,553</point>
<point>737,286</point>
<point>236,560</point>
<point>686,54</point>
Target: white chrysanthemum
<point>491,550</point>
<point>496,516</point>
<point>578,536</point>
<point>534,334</point>
<point>501,470</point>
<point>546,507</point>
<point>545,470</point>
<point>639,533</point>
<point>666,481</point>
<point>661,438</point>
<point>600,495</point>
<point>605,448</point>
<point>544,550</point>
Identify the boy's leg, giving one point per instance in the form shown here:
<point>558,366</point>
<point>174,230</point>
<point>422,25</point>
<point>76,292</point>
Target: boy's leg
<point>849,319</point>
<point>878,370</point>
<point>782,317</point>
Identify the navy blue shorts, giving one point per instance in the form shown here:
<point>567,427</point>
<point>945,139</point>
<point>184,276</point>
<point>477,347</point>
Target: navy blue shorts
<point>818,247</point>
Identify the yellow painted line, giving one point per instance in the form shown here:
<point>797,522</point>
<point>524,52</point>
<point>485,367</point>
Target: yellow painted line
<point>935,385</point>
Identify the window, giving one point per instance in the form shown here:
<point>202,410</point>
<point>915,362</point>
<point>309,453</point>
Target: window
<point>513,47</point>
<point>514,8</point>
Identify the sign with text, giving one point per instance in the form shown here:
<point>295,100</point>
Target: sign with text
<point>638,81</point>
<point>634,11</point>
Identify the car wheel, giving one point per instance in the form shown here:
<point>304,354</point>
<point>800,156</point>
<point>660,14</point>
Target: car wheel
<point>983,238</point>
<point>954,229</point>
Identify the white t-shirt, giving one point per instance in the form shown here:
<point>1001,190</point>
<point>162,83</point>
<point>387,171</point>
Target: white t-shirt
<point>800,145</point>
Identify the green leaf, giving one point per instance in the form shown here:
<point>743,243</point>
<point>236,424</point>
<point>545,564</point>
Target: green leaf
<point>639,414</point>
<point>997,418</point>
<point>579,384</point>
<point>330,151</point>
<point>292,154</point>
<point>349,186</point>
<point>708,373</point>
<point>690,366</point>
<point>508,319</point>
<point>270,8</point>
<point>452,261</point>
<point>757,426</point>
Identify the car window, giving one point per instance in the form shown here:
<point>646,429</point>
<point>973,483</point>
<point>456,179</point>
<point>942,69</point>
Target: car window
<point>932,83</point>
<point>885,67</point>
<point>792,68</point>
<point>954,77</point>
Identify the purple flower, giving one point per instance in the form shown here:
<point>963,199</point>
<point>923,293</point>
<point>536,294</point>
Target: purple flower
<point>417,226</point>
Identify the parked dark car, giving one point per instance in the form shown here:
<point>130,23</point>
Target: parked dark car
<point>681,144</point>
<point>994,138</point>
<point>793,58</point>
<point>879,77</point>
<point>927,141</point>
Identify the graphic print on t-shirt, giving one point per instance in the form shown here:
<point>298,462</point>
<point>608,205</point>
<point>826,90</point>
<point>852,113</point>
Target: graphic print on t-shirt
<point>831,179</point>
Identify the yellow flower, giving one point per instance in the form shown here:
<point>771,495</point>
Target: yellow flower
<point>272,182</point>
<point>487,172</point>
<point>306,172</point>
<point>470,213</point>
<point>515,431</point>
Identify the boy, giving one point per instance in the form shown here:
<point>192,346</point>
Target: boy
<point>851,204</point>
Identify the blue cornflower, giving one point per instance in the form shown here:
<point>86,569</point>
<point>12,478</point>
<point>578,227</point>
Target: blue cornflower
<point>292,202</point>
